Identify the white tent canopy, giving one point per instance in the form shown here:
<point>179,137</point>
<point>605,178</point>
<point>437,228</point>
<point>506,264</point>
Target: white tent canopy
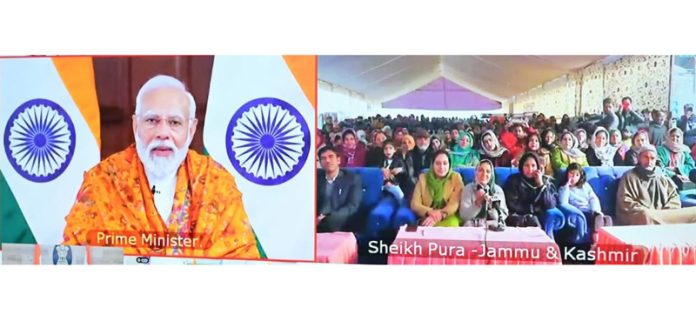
<point>377,79</point>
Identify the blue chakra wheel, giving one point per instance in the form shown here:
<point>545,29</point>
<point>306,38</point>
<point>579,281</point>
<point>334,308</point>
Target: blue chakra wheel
<point>267,141</point>
<point>40,140</point>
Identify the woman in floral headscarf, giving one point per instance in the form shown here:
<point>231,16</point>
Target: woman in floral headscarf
<point>464,154</point>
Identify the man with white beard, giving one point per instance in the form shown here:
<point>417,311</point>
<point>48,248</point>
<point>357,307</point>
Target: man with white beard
<point>423,153</point>
<point>157,196</point>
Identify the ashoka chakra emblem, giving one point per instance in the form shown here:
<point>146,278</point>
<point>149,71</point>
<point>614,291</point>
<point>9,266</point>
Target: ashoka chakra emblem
<point>267,141</point>
<point>40,140</point>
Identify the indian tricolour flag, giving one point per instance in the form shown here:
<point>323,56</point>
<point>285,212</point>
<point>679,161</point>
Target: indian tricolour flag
<point>259,124</point>
<point>49,120</point>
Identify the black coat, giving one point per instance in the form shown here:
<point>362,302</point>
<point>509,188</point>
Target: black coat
<point>524,199</point>
<point>344,202</point>
<point>396,163</point>
<point>374,156</point>
<point>407,182</point>
<point>631,158</point>
<point>618,161</point>
<point>421,160</point>
<point>592,157</point>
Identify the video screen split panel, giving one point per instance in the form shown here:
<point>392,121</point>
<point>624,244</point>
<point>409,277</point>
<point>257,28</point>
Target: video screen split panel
<point>400,160</point>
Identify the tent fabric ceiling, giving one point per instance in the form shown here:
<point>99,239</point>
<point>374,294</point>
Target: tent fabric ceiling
<point>443,94</point>
<point>384,78</point>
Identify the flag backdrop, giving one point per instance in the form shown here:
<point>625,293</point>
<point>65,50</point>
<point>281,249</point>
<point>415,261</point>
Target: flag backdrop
<point>49,119</point>
<point>259,125</point>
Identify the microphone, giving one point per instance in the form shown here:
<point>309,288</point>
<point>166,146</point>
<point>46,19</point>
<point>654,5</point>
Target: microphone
<point>485,189</point>
<point>501,223</point>
<point>484,205</point>
<point>154,191</point>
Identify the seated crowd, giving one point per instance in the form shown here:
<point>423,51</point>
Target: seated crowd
<point>418,158</point>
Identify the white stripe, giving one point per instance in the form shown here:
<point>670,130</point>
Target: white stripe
<point>44,205</point>
<point>282,215</point>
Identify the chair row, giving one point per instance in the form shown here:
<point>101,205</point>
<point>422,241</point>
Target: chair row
<point>378,214</point>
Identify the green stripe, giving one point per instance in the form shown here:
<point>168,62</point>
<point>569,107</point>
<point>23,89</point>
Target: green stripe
<point>262,253</point>
<point>13,226</point>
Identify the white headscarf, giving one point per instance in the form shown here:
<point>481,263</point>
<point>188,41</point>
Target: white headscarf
<point>573,151</point>
<point>677,147</point>
<point>606,153</point>
<point>497,150</point>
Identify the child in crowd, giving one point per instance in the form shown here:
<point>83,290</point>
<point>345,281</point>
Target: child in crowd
<point>392,166</point>
<point>576,192</point>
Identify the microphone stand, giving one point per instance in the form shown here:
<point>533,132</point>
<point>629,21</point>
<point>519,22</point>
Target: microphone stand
<point>501,224</point>
<point>485,206</point>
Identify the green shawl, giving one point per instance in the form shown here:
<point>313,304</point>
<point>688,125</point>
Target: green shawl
<point>465,156</point>
<point>436,186</point>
